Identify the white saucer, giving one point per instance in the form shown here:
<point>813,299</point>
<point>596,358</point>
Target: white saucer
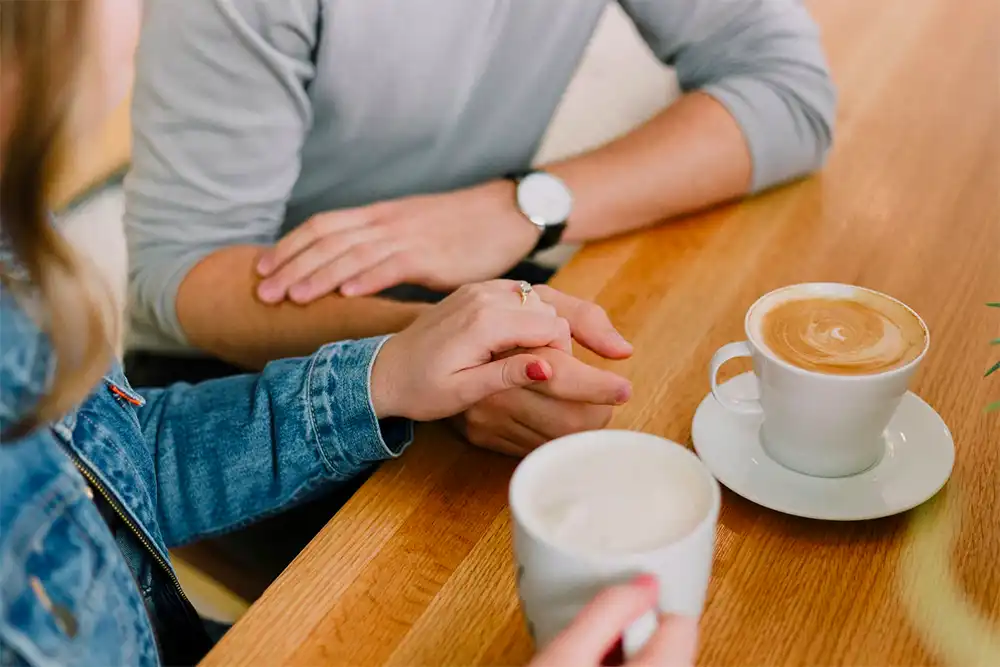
<point>918,460</point>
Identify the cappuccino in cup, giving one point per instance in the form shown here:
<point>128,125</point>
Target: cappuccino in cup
<point>861,335</point>
<point>595,509</point>
<point>832,362</point>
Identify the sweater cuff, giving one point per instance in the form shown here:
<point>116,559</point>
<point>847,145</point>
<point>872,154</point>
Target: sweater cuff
<point>780,148</point>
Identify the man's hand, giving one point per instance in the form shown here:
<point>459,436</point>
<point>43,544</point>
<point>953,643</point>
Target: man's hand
<point>578,398</point>
<point>439,241</point>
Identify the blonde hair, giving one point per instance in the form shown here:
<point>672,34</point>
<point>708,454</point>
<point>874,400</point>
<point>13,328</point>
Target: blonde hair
<point>43,45</point>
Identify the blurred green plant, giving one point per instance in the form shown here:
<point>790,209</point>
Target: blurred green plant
<point>995,405</point>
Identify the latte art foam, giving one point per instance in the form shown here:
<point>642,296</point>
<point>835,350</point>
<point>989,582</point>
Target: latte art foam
<point>843,336</point>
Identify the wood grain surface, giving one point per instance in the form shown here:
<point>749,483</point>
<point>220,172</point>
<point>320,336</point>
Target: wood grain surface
<point>416,569</point>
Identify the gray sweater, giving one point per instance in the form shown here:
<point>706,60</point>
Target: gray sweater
<point>251,115</point>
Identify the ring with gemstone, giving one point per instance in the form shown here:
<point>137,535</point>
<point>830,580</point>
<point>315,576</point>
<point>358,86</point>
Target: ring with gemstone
<point>524,288</point>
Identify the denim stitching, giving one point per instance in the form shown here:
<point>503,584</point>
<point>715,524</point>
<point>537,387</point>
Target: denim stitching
<point>327,463</point>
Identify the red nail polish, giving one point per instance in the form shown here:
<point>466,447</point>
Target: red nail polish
<point>537,372</point>
<point>616,656</point>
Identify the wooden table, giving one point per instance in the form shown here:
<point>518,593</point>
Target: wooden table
<point>415,570</point>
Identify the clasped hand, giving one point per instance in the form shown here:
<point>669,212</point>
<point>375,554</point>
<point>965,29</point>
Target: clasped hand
<point>442,241</point>
<point>578,397</point>
<point>505,364</point>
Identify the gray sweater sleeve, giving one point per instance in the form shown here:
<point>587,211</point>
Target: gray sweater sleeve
<point>220,112</point>
<point>763,61</point>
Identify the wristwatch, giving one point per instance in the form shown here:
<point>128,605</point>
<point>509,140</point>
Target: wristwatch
<point>546,202</point>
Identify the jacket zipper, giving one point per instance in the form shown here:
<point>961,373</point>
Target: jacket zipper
<point>128,522</point>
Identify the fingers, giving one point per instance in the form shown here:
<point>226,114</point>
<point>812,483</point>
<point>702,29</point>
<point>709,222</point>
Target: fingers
<point>298,270</point>
<point>532,301</point>
<point>494,321</point>
<point>601,623</point>
<point>498,417</point>
<point>574,380</point>
<point>478,426</point>
<point>503,330</point>
<point>542,417</point>
<point>391,271</point>
<point>309,233</point>
<point>526,438</point>
<point>329,278</point>
<point>507,294</point>
<point>589,323</point>
<point>674,644</point>
<point>475,384</point>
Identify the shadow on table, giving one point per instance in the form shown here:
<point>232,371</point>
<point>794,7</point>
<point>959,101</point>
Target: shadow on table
<point>740,515</point>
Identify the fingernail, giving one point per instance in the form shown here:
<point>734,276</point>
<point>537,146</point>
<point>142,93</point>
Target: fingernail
<point>268,293</point>
<point>646,581</point>
<point>536,372</point>
<point>348,289</point>
<point>624,342</point>
<point>623,395</point>
<point>264,266</point>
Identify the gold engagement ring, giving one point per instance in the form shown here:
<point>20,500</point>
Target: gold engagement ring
<point>524,288</point>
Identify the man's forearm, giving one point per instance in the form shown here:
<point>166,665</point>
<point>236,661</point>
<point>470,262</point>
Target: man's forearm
<point>689,156</point>
<point>219,313</point>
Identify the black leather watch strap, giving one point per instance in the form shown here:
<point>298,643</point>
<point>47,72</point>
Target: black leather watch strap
<point>518,176</point>
<point>552,234</point>
<point>549,238</point>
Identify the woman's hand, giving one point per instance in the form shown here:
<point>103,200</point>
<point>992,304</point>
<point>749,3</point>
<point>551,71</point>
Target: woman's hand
<point>446,361</point>
<point>439,241</point>
<point>579,397</point>
<point>595,632</point>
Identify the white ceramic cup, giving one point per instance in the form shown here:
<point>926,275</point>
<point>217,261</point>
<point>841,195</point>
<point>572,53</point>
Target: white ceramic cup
<point>555,583</point>
<point>818,424</point>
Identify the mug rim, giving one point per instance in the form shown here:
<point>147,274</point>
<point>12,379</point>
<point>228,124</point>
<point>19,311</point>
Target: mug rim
<point>763,350</point>
<point>523,518</point>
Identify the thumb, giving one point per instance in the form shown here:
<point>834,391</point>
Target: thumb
<point>480,382</point>
<point>675,643</point>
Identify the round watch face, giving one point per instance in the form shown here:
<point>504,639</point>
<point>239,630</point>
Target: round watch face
<point>544,199</point>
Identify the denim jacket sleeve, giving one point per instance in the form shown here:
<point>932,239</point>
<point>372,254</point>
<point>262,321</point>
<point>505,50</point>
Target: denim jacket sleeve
<point>230,451</point>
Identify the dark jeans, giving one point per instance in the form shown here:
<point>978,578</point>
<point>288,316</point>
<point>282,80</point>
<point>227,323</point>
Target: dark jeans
<point>248,560</point>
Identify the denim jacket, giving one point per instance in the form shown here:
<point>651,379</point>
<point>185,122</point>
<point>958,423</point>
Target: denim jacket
<point>176,464</point>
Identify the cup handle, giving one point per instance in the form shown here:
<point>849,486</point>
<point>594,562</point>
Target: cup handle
<point>743,406</point>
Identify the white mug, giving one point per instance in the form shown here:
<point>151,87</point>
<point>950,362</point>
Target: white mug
<point>555,583</point>
<point>818,424</point>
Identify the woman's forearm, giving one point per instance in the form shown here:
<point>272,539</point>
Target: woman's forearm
<point>238,448</point>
